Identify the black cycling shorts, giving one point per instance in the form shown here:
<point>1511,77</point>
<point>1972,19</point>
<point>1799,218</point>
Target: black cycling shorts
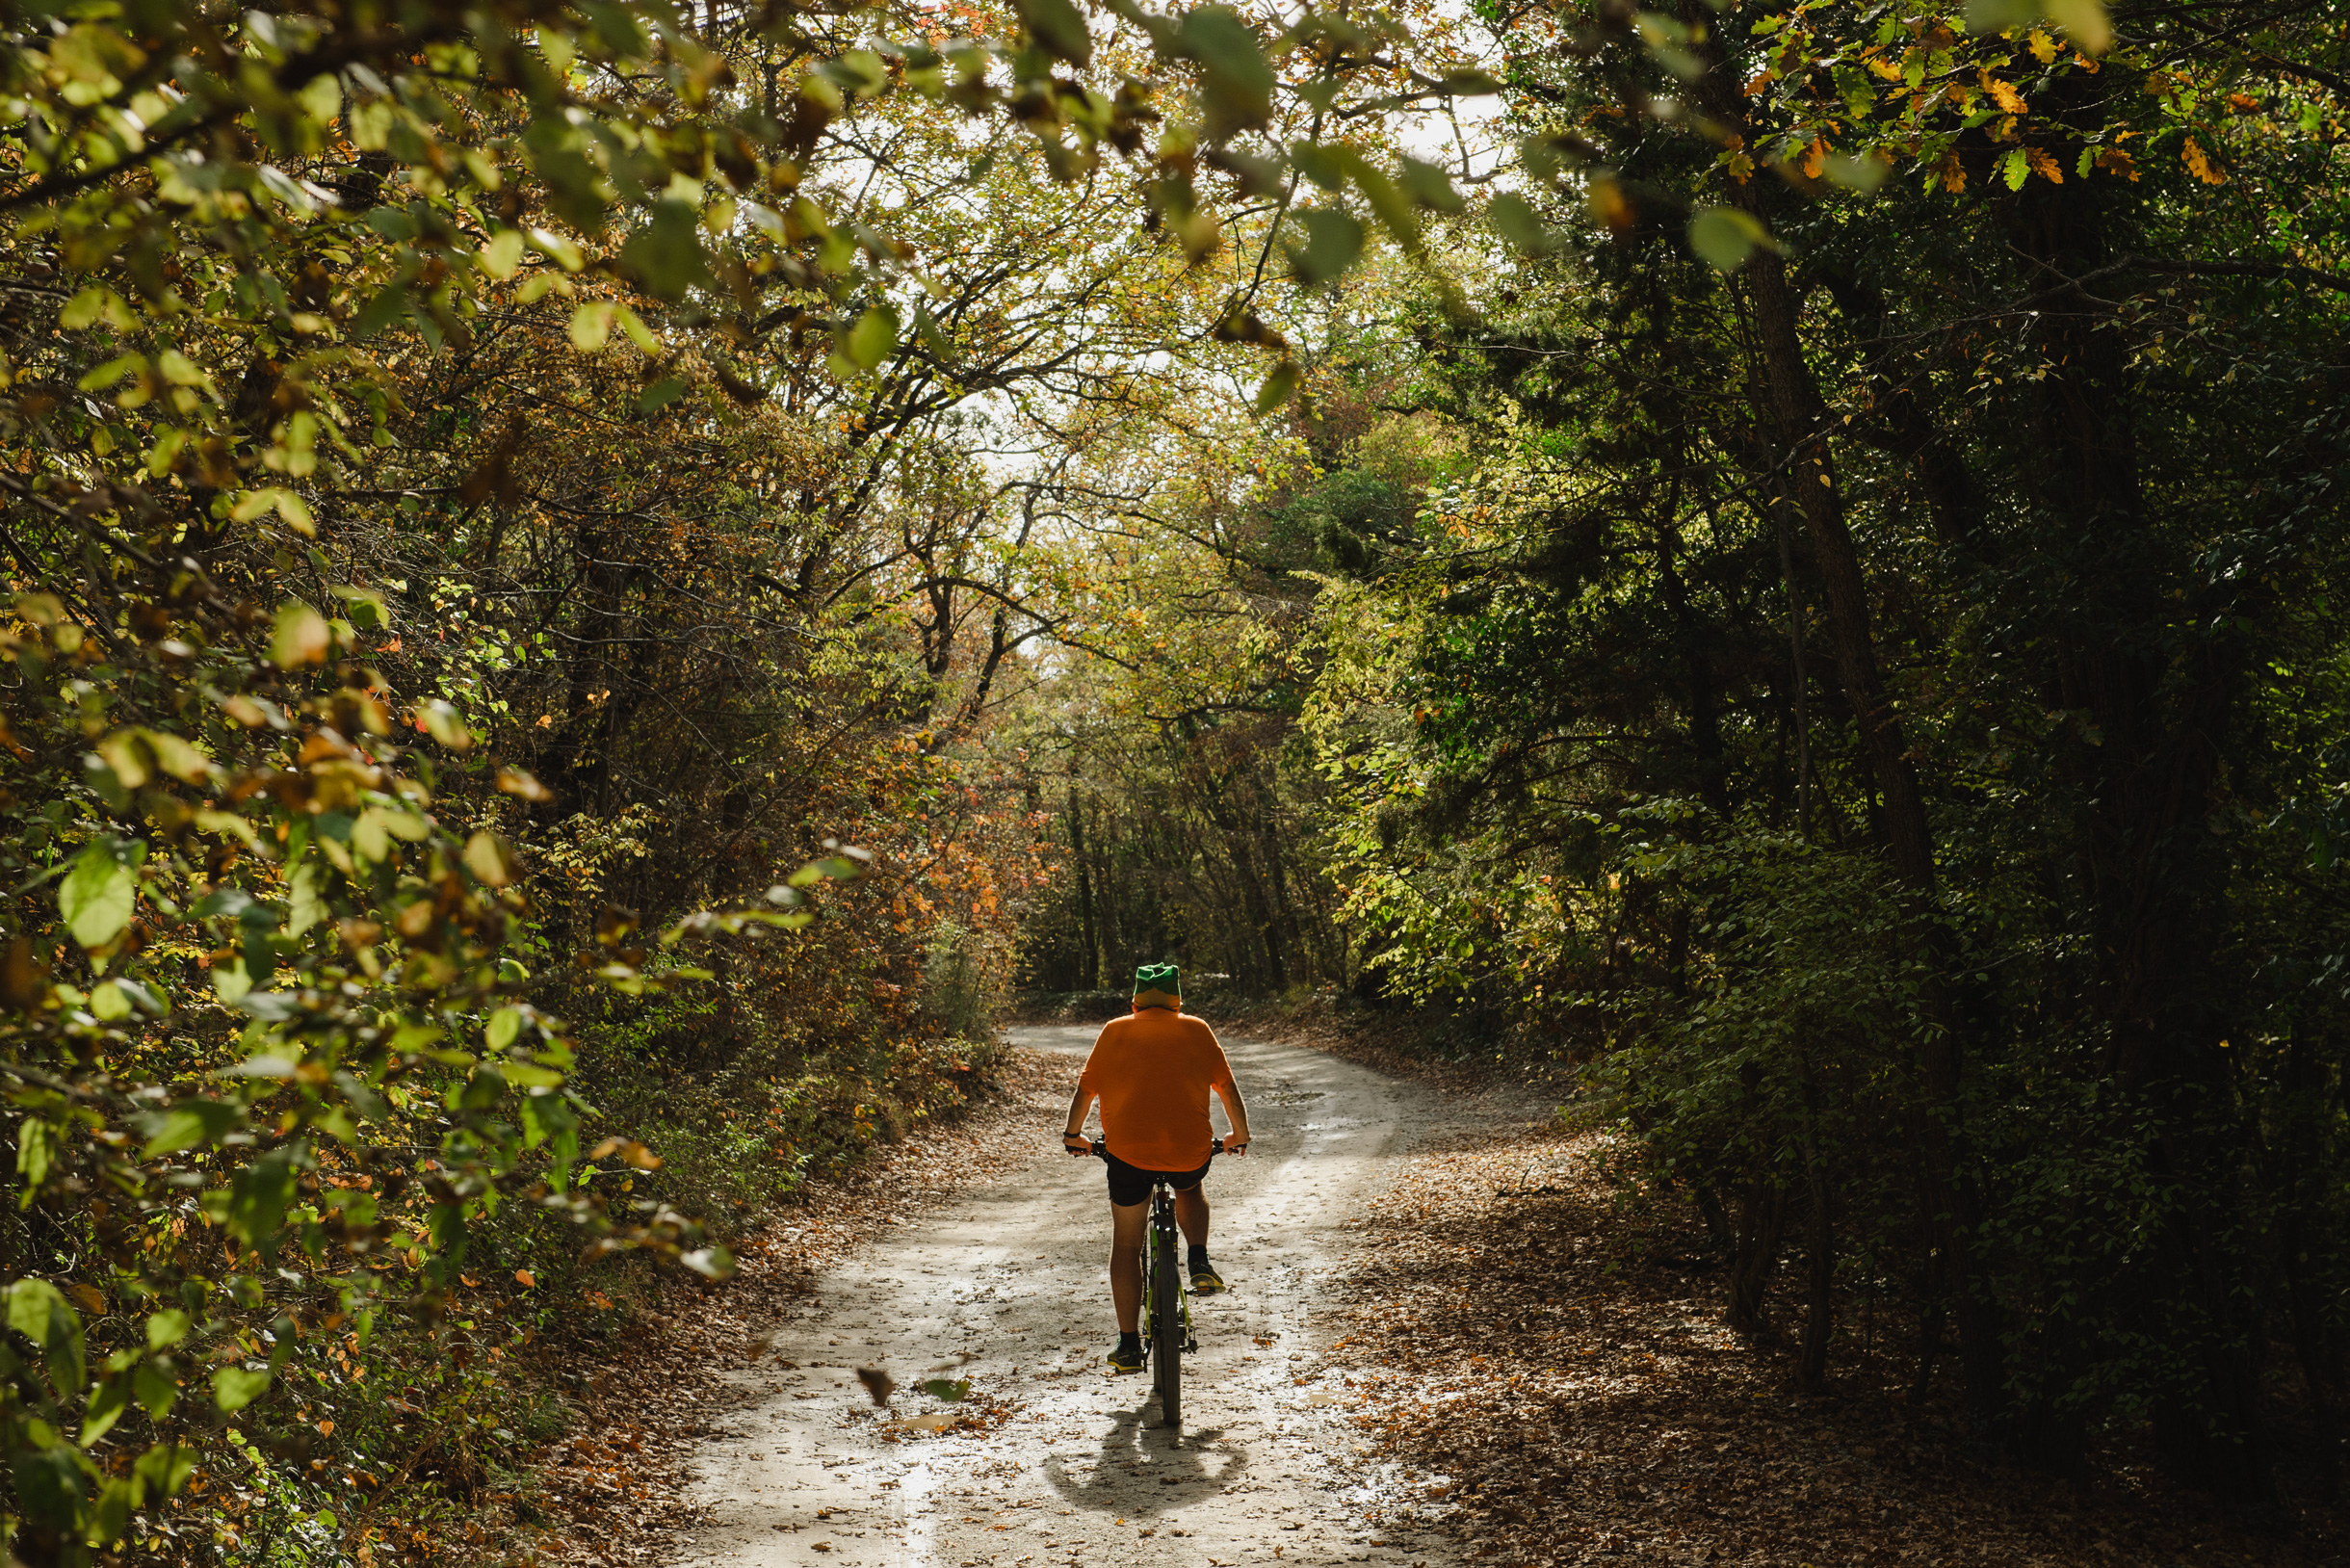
<point>1130,1185</point>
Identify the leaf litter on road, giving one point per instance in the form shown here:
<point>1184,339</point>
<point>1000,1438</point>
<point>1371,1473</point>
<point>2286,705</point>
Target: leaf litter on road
<point>1545,1365</point>
<point>614,1493</point>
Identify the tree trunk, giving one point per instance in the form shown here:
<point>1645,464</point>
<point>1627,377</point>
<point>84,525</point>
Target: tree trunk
<point>2161,704</point>
<point>1799,416</point>
<point>1760,1227</point>
<point>1819,1249</point>
<point>1089,964</point>
<point>2304,1157</point>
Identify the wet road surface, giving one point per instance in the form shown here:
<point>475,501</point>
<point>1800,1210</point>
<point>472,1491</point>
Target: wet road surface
<point>1006,1287</point>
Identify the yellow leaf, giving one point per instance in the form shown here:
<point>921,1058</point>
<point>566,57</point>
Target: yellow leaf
<point>2198,163</point>
<point>300,635</point>
<point>515,781</point>
<point>502,254</point>
<point>490,859</point>
<point>591,325</point>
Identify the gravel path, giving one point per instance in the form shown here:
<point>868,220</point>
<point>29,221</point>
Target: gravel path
<point>1055,1461</point>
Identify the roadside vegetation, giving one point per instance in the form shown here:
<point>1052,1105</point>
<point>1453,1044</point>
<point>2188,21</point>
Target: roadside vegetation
<point>592,588</point>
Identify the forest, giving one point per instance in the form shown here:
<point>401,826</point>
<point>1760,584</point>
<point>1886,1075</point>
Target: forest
<point>594,586</point>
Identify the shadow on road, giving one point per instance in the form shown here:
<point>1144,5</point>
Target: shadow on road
<point>1141,1468</point>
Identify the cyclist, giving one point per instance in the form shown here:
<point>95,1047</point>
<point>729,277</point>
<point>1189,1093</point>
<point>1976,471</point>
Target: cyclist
<point>1152,1072</point>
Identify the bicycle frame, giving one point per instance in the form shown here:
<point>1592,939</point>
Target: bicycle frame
<point>1164,1235</point>
<point>1163,1351</point>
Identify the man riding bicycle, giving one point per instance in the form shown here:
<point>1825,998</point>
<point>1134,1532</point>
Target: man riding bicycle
<point>1152,1072</point>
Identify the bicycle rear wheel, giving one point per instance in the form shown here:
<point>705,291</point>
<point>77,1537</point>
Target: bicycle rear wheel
<point>1166,1332</point>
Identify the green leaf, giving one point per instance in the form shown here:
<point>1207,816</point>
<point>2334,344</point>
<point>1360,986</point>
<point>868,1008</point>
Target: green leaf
<point>1333,240</point>
<point>870,341</point>
<point>839,868</point>
<point>659,395</point>
<point>940,1388</point>
<point>632,328</point>
<point>2085,21</point>
<point>300,637</point>
<point>257,1200</point>
<point>307,896</point>
<point>1278,388</point>
<point>41,1312</point>
<point>96,304</point>
<point>231,982</point>
<point>1862,173</point>
<point>111,371</point>
<point>666,254</point>
<point>1725,237</point>
<point>50,1482</point>
<point>36,1155</point>
<point>1513,218</point>
<point>1999,15</point>
<point>167,1328</point>
<point>1056,25</point>
<point>99,894</point>
<point>154,1392</point>
<point>190,1123</point>
<point>322,97</point>
<point>390,304</point>
<point>548,1117</point>
<point>443,723</point>
<point>1237,92</point>
<point>181,759</point>
<point>233,1388</point>
<point>2015,168</point>
<point>709,1261</point>
<point>502,254</point>
<point>105,1408</point>
<point>166,1467</point>
<point>591,325</point>
<point>617,25</point>
<point>858,71</point>
<point>490,859</point>
<point>558,249</point>
<point>1429,186</point>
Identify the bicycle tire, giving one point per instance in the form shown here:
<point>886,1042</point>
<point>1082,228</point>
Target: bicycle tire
<point>1167,1329</point>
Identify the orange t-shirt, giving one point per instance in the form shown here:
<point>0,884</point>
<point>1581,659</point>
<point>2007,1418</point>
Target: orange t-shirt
<point>1153,1071</point>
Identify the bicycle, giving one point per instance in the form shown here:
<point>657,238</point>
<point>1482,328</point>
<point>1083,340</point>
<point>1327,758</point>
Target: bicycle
<point>1167,1336</point>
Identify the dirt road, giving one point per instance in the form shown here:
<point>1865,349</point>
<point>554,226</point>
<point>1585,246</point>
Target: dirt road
<point>1006,1287</point>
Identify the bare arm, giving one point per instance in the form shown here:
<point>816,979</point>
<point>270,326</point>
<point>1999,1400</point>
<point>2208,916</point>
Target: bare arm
<point>1073,1131</point>
<point>1236,1112</point>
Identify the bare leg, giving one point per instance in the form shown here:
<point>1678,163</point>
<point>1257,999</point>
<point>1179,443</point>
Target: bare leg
<point>1125,1228</point>
<point>1191,1213</point>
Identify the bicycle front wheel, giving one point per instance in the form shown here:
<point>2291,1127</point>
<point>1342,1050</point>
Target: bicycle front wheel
<point>1166,1333</point>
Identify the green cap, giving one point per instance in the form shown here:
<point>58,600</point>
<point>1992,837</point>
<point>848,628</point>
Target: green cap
<point>1158,977</point>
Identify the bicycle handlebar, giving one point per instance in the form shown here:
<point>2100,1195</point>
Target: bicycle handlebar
<point>1098,1149</point>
